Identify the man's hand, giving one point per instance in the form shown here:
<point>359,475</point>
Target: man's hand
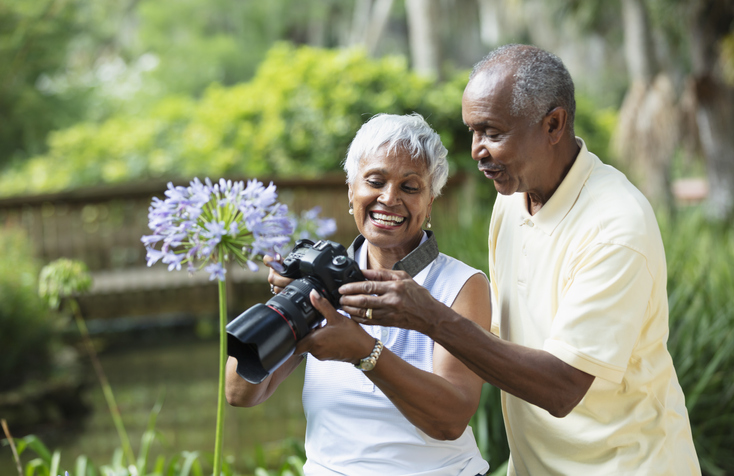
<point>395,299</point>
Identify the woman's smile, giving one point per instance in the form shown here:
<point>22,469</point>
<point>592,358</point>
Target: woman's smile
<point>386,220</point>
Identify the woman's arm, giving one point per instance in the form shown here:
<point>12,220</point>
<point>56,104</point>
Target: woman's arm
<point>439,403</point>
<point>241,393</point>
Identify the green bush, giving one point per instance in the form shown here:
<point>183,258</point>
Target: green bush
<point>26,329</point>
<point>595,126</point>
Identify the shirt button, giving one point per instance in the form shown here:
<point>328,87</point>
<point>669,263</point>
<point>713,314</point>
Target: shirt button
<point>530,223</point>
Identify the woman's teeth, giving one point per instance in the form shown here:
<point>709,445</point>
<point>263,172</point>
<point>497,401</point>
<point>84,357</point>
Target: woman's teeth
<point>387,220</point>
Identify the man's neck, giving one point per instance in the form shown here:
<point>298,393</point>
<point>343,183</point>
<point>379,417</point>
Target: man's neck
<point>563,161</point>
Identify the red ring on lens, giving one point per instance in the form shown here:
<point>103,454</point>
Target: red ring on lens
<point>286,321</point>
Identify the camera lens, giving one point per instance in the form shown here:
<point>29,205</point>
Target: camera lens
<point>264,336</point>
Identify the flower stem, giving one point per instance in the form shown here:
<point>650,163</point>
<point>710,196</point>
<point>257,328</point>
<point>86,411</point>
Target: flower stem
<point>222,364</point>
<point>106,388</point>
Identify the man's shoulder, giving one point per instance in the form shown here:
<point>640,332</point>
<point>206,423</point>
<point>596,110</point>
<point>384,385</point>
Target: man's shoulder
<point>617,211</point>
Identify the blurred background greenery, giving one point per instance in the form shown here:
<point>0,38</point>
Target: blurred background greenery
<point>109,95</point>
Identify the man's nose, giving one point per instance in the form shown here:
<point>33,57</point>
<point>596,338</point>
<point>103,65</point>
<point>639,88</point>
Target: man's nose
<point>478,149</point>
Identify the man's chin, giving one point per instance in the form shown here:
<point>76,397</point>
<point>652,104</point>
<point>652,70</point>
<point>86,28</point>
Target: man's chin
<point>502,188</point>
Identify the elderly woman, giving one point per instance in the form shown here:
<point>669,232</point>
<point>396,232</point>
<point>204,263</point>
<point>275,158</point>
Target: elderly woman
<point>382,400</point>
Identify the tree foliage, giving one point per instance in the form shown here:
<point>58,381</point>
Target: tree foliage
<point>33,40</point>
<point>295,117</point>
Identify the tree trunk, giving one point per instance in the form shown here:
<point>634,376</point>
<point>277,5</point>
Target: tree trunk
<point>710,23</point>
<point>638,45</point>
<point>424,36</point>
<point>490,29</point>
<point>646,134</point>
<point>368,22</point>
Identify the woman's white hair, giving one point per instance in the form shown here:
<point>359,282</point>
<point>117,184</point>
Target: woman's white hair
<point>410,133</point>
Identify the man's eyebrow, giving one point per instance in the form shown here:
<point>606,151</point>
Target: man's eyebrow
<point>479,124</point>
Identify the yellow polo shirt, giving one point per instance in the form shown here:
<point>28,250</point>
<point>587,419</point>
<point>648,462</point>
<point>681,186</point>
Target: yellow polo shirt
<point>585,279</point>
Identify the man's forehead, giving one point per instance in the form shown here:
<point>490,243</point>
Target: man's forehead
<point>488,92</point>
<point>499,77</point>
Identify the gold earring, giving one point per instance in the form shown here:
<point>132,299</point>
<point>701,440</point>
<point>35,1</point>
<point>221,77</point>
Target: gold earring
<point>351,209</point>
<point>428,224</point>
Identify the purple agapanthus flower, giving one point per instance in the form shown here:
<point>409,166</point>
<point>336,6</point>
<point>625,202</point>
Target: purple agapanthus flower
<point>311,226</point>
<point>206,224</point>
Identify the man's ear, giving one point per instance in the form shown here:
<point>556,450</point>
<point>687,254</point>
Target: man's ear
<point>555,123</point>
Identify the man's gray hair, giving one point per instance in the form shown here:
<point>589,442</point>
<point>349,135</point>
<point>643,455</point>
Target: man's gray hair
<point>542,82</point>
<point>410,133</point>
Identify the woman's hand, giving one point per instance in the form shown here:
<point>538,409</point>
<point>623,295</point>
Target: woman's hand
<point>395,299</point>
<point>277,282</point>
<point>340,339</point>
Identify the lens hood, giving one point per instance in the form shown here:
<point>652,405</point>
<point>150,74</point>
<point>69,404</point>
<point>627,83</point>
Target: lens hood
<point>261,339</point>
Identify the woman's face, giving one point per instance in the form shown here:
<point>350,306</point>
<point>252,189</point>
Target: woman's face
<point>391,196</point>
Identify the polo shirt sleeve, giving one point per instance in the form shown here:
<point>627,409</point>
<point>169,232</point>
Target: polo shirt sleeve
<point>602,311</point>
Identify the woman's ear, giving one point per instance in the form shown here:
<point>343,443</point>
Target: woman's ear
<point>350,194</point>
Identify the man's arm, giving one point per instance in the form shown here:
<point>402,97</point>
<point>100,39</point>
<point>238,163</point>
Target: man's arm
<point>535,376</point>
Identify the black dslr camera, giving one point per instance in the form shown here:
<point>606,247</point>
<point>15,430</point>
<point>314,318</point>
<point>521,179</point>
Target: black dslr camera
<point>265,335</point>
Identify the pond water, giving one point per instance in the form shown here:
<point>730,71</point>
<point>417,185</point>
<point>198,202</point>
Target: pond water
<point>186,374</point>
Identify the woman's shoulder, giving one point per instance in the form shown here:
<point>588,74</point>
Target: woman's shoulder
<point>449,263</point>
<point>447,278</point>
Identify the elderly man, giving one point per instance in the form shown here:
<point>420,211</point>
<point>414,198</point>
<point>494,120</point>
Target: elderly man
<point>578,280</point>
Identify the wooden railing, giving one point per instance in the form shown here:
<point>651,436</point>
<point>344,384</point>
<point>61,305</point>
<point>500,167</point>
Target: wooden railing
<point>102,226</point>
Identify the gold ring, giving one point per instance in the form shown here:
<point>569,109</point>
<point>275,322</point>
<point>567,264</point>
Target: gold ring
<point>368,314</point>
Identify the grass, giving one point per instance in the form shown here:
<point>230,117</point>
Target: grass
<point>700,256</point>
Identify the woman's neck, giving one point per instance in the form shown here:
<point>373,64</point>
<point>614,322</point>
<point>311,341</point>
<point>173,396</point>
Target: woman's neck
<point>385,258</point>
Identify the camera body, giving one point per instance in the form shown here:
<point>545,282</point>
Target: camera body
<point>265,335</point>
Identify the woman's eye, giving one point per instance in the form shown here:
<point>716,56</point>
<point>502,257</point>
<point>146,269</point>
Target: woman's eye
<point>374,183</point>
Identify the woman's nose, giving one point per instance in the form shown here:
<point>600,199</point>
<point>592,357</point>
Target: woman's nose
<point>389,195</point>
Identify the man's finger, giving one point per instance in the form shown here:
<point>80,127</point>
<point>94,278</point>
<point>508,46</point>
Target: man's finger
<point>384,275</point>
<point>364,287</point>
<point>358,314</point>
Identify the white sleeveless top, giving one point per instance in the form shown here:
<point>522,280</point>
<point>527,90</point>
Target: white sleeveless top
<point>352,427</point>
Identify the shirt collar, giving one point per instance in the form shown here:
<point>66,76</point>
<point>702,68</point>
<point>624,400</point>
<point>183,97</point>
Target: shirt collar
<point>563,199</point>
<point>415,261</point>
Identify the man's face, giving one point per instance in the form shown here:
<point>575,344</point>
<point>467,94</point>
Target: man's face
<point>509,149</point>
